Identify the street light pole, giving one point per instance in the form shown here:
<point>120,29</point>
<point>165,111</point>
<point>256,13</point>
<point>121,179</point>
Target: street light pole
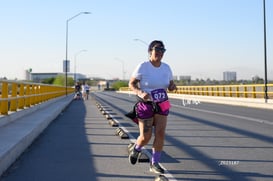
<point>145,43</point>
<point>66,46</point>
<point>75,64</point>
<point>265,55</point>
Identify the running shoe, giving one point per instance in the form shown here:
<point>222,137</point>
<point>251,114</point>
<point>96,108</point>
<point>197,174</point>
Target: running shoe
<point>133,156</point>
<point>156,168</point>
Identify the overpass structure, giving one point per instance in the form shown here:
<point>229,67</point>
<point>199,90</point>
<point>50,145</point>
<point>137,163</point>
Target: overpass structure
<point>19,129</point>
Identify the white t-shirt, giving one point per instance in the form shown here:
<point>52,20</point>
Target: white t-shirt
<point>152,77</point>
<point>86,87</point>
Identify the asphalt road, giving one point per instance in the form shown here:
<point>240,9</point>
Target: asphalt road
<point>204,141</point>
<point>207,141</point>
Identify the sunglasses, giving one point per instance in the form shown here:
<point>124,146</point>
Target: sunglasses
<point>159,49</point>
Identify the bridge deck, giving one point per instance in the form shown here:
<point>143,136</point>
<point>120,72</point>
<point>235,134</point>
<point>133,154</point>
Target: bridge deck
<point>78,145</point>
<point>203,142</point>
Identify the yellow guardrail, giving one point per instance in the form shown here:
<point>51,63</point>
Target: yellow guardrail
<point>246,91</point>
<point>16,95</point>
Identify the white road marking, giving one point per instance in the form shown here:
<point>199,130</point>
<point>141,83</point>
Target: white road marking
<point>226,114</point>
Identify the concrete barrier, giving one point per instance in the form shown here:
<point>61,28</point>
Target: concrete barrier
<point>18,130</point>
<point>247,102</point>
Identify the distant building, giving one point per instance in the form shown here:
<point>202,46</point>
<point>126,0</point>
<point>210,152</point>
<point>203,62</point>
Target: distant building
<point>175,77</point>
<point>185,77</point>
<point>39,77</point>
<point>229,76</point>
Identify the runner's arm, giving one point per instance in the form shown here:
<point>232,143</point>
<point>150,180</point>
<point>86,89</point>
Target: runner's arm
<point>134,86</point>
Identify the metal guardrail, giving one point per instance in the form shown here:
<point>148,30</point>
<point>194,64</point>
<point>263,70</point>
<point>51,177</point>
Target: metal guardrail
<point>16,95</point>
<point>243,91</point>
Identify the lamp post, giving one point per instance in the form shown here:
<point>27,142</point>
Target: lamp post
<point>75,64</point>
<point>66,46</point>
<point>123,71</point>
<point>144,42</point>
<point>265,55</point>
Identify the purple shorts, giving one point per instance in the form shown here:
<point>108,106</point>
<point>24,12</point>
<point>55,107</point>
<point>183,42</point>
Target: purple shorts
<point>145,110</point>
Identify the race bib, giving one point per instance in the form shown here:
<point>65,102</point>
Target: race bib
<point>159,95</point>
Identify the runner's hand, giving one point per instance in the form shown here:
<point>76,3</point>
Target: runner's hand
<point>144,95</point>
<point>172,87</point>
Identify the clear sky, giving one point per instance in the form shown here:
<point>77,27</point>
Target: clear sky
<point>203,38</point>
